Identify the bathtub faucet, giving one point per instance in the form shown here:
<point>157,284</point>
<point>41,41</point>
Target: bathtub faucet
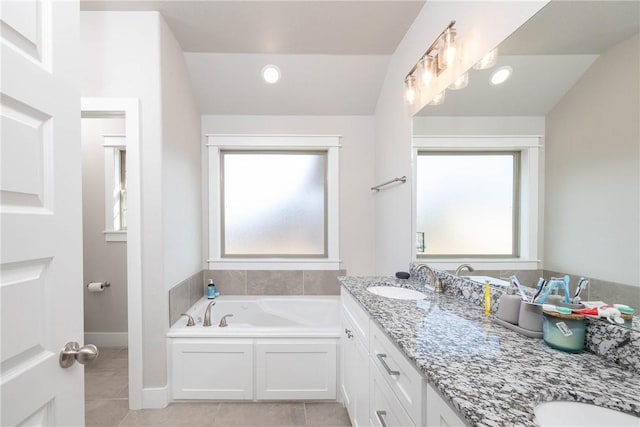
<point>207,314</point>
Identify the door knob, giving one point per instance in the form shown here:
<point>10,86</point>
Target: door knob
<point>72,352</point>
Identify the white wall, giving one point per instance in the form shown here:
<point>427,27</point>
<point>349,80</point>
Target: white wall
<point>593,172</point>
<point>485,25</point>
<point>356,172</point>
<point>478,125</point>
<point>133,54</point>
<point>181,174</point>
<point>121,58</point>
<point>104,312</point>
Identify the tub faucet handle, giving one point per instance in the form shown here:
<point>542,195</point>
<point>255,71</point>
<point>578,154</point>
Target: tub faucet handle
<point>223,321</point>
<point>190,321</point>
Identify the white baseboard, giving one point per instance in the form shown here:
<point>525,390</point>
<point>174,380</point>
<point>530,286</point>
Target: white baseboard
<point>155,398</point>
<point>106,339</point>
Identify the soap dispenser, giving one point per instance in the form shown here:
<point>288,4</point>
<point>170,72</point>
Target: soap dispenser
<point>211,290</point>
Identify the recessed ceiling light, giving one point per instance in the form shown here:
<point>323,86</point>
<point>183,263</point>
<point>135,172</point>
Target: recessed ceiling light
<point>271,73</point>
<point>501,75</point>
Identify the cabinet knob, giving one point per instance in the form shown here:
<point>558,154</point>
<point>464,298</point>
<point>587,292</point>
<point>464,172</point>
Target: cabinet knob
<point>348,333</point>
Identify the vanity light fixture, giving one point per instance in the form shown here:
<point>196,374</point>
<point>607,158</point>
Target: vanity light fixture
<point>461,82</point>
<point>487,61</point>
<point>440,55</point>
<point>501,75</point>
<point>410,90</point>
<point>271,73</point>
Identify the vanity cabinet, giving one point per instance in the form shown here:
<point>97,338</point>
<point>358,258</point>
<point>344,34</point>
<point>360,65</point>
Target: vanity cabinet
<point>379,385</point>
<point>355,362</point>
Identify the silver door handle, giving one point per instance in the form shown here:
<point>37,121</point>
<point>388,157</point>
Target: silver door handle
<point>384,364</point>
<point>72,353</point>
<point>381,414</point>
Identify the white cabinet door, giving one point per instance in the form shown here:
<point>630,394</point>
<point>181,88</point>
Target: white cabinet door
<point>439,414</point>
<point>211,369</point>
<point>41,213</point>
<point>296,369</point>
<point>355,375</point>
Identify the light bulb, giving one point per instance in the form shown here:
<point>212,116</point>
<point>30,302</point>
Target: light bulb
<point>410,90</point>
<point>426,72</point>
<point>461,82</point>
<point>487,61</point>
<point>271,73</point>
<point>447,54</point>
<point>438,99</point>
<point>501,75</point>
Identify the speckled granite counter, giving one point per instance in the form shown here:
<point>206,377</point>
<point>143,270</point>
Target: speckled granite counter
<point>492,376</point>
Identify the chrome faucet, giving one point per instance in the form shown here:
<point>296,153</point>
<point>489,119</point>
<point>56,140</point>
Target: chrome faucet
<point>464,267</point>
<point>437,285</point>
<point>207,314</point>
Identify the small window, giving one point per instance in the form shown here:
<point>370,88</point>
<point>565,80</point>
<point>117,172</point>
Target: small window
<point>115,188</point>
<point>120,190</point>
<point>467,204</point>
<point>274,204</point>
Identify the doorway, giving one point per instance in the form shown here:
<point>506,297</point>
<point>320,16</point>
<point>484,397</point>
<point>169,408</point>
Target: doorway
<point>112,251</point>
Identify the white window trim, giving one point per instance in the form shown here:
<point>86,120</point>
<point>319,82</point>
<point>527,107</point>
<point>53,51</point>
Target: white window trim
<point>217,143</point>
<point>112,144</point>
<point>530,148</point>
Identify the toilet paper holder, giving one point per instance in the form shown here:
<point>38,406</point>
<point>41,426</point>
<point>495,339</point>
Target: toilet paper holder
<point>105,284</point>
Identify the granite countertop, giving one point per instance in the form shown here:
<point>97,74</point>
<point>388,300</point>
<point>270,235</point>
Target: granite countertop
<point>490,375</point>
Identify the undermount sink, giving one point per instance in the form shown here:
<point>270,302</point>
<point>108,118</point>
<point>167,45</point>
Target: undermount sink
<point>396,293</point>
<point>566,413</point>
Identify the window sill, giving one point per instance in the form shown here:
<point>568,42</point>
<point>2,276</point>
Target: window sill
<point>115,235</point>
<point>481,263</point>
<point>273,264</point>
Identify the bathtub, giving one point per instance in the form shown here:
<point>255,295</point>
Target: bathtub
<point>274,348</point>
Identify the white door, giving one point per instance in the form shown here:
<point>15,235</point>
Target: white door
<point>40,213</point>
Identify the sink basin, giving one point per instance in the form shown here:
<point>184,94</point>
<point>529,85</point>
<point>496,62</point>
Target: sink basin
<point>396,293</point>
<point>567,413</point>
<point>492,280</point>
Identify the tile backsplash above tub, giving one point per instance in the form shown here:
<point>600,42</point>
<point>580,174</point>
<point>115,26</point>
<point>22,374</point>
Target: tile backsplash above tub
<point>275,282</point>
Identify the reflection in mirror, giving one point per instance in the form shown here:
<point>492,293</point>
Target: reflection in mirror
<point>574,81</point>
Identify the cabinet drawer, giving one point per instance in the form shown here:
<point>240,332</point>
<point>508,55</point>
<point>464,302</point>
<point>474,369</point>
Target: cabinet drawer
<point>401,376</point>
<point>356,315</point>
<point>386,410</point>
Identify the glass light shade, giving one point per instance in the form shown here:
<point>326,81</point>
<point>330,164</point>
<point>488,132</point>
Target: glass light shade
<point>501,75</point>
<point>461,82</point>
<point>271,73</point>
<point>426,71</point>
<point>487,61</point>
<point>447,54</point>
<point>438,99</point>
<point>410,93</point>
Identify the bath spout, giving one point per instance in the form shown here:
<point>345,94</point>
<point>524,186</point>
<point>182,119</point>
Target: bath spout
<point>207,314</point>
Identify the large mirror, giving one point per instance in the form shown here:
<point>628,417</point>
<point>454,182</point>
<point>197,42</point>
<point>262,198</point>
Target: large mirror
<point>574,82</point>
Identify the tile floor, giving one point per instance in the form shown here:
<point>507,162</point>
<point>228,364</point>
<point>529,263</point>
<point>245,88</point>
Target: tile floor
<point>106,404</point>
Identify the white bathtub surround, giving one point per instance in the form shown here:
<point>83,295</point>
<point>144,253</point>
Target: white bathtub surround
<point>274,348</point>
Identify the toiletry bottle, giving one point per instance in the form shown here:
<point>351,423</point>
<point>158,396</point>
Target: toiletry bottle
<point>211,290</point>
<point>487,298</point>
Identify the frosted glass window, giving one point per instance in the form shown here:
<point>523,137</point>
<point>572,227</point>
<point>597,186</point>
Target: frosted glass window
<point>274,204</point>
<point>467,204</point>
